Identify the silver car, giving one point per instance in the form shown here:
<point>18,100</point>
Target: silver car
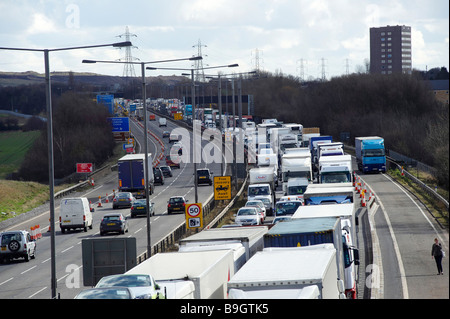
<point>17,244</point>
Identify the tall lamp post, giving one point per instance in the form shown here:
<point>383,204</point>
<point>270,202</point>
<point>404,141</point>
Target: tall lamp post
<point>48,96</point>
<point>194,149</point>
<point>144,98</point>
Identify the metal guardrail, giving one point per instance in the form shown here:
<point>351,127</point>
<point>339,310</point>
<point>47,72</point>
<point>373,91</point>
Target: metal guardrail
<point>421,184</point>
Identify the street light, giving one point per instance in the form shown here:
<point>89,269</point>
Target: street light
<point>144,98</point>
<point>194,149</point>
<point>48,96</point>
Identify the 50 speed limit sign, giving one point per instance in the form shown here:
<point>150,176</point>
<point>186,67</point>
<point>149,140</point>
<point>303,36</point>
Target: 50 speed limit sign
<point>194,215</point>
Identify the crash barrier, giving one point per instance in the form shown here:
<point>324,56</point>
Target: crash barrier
<point>430,191</point>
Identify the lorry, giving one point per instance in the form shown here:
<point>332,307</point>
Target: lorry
<point>330,149</point>
<point>335,169</point>
<point>370,154</point>
<point>335,193</point>
<point>250,238</point>
<point>346,212</point>
<point>306,232</point>
<point>297,272</point>
<point>131,172</point>
<point>201,274</point>
<point>262,184</point>
<point>314,142</point>
<point>296,164</point>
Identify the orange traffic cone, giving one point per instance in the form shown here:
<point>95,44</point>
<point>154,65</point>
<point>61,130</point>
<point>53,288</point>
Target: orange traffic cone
<point>99,201</point>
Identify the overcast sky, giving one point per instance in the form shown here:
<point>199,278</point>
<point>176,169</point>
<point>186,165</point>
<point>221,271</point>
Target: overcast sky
<point>333,34</point>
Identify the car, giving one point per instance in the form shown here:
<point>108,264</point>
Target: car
<point>279,219</point>
<point>173,160</point>
<point>142,286</point>
<point>260,206</point>
<point>166,134</point>
<point>139,207</point>
<point>113,223</point>
<point>106,293</point>
<point>204,176</point>
<point>286,208</point>
<point>17,244</point>
<point>266,201</point>
<point>176,204</point>
<point>158,176</point>
<point>166,170</point>
<point>123,199</point>
<point>247,216</point>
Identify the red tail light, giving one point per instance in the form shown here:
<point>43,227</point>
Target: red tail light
<point>168,205</point>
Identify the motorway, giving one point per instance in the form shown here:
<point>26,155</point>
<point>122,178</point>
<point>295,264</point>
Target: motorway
<point>401,229</point>
<point>22,280</point>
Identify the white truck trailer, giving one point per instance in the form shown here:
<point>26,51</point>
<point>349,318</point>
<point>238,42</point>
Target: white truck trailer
<point>285,272</point>
<point>250,238</point>
<point>208,271</point>
<point>346,212</point>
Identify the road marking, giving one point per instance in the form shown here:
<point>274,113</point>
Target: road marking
<point>6,281</point>
<point>28,270</point>
<point>45,260</point>
<point>37,293</point>
<point>66,249</point>
<point>138,230</point>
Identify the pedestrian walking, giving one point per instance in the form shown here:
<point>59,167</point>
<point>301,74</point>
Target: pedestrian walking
<point>436,253</point>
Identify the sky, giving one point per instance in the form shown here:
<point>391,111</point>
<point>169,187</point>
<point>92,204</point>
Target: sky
<point>294,37</point>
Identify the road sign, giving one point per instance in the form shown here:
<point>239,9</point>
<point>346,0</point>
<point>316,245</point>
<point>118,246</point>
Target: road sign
<point>120,124</point>
<point>194,215</point>
<point>222,187</point>
<point>84,167</point>
<point>107,100</point>
<point>178,116</point>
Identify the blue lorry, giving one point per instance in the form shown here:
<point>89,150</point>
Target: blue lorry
<point>370,154</point>
<point>131,171</point>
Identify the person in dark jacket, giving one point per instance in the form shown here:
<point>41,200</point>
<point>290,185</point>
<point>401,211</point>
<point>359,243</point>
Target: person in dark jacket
<point>436,253</point>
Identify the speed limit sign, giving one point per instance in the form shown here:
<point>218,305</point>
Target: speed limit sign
<point>194,216</point>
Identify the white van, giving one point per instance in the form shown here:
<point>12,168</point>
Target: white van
<point>162,121</point>
<point>75,213</point>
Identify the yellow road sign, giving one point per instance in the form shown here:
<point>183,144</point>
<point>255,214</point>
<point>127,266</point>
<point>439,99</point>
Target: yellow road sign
<point>222,187</point>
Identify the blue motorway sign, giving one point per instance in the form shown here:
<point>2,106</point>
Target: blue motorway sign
<point>107,100</point>
<point>120,124</point>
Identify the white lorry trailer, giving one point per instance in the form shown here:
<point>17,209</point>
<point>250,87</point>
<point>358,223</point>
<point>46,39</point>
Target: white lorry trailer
<point>285,272</point>
<point>208,271</point>
<point>252,238</point>
<point>346,212</point>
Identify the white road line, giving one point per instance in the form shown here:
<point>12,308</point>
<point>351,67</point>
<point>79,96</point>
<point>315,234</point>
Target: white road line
<point>37,292</point>
<point>1,283</point>
<point>66,249</point>
<point>44,261</point>
<point>28,270</point>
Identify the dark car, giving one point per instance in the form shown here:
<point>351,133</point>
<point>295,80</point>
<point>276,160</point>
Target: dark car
<point>113,223</point>
<point>204,176</point>
<point>176,204</point>
<point>158,175</point>
<point>166,170</point>
<point>123,199</point>
<point>166,134</point>
<point>173,160</point>
<point>139,207</point>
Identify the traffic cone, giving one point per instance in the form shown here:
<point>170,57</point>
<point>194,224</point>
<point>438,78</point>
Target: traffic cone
<point>33,233</point>
<point>99,201</point>
<point>49,226</point>
<point>107,200</point>
<point>38,232</point>
<point>363,199</point>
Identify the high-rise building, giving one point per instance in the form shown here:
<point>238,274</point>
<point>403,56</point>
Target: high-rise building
<point>390,50</point>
